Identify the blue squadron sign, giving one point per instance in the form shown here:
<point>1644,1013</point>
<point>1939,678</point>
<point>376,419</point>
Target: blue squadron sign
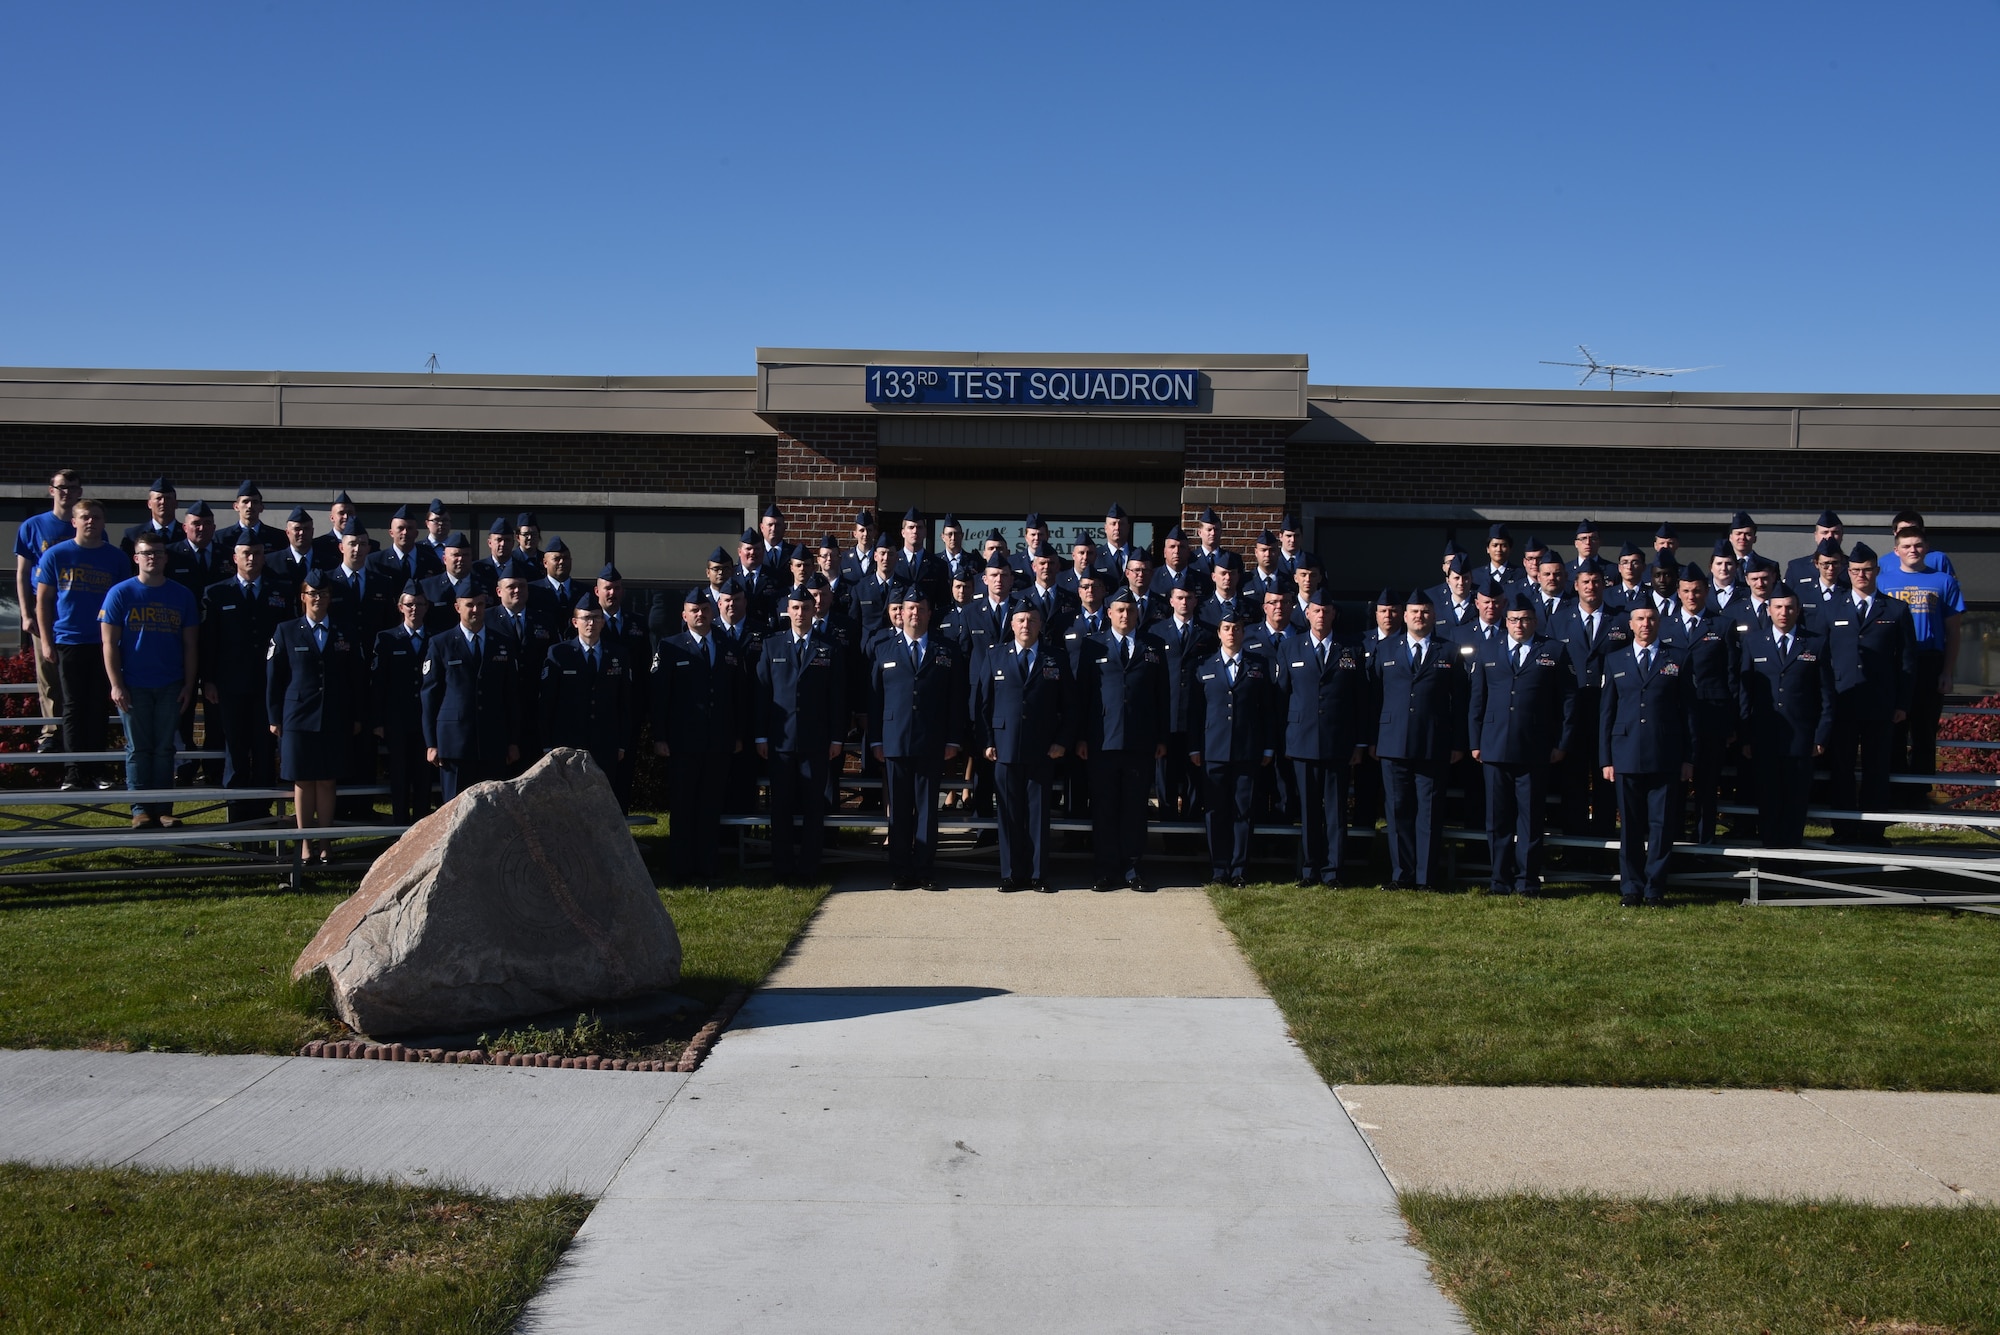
<point>1033,387</point>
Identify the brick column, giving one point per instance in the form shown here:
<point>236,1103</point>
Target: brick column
<point>1239,468</point>
<point>826,472</point>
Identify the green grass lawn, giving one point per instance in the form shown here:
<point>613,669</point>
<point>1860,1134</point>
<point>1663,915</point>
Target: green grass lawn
<point>1412,988</point>
<point>203,965</point>
<point>1528,1265</point>
<point>125,1249</point>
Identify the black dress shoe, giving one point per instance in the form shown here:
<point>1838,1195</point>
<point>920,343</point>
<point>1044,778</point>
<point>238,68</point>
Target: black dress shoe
<point>900,884</point>
<point>1139,887</point>
<point>1237,882</point>
<point>1008,886</point>
<point>932,886</point>
<point>1628,901</point>
<point>1656,901</point>
<point>1041,887</point>
<point>1307,883</point>
<point>1106,883</point>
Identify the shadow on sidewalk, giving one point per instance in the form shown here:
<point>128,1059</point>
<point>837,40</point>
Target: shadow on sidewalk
<point>774,1006</point>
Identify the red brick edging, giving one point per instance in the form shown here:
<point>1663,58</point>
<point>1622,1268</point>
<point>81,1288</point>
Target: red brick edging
<point>690,1058</point>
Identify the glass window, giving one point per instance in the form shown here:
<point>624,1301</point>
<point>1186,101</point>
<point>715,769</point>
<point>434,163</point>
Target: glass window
<point>672,546</point>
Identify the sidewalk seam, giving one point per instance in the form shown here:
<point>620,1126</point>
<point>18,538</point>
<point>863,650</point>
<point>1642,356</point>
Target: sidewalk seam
<point>233,1095</point>
<point>1915,1167</point>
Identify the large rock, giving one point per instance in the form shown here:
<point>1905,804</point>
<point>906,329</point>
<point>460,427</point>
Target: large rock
<point>517,897</point>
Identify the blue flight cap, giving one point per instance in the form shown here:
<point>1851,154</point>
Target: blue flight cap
<point>865,519</point>
<point>499,526</point>
<point>1628,550</point>
<point>341,499</point>
<point>1862,554</point>
<point>1829,547</point>
<point>1034,520</point>
<point>1584,526</point>
<point>466,588</point>
<point>694,597</point>
<point>1493,589</point>
<point>457,540</point>
<point>1668,532</point>
<point>1310,561</point>
<point>200,510</point>
<point>884,543</point>
<point>913,516</point>
<point>1123,595</point>
<point>555,544</point>
<point>1417,598</point>
<point>1500,532</point>
<point>817,581</point>
<point>1762,562</point>
<point>1267,539</point>
<point>1237,616</point>
<point>412,589</point>
<point>1386,598</point>
<point>249,488</point>
<point>1452,549</point>
<point>1317,598</point>
<point>318,578</point>
<point>1550,557</point>
<point>829,543</point>
<point>1082,540</point>
<point>403,512</point>
<point>798,593</point>
<point>950,520</point>
<point>1741,519</point>
<point>1175,534</point>
<point>772,512</point>
<point>1828,519</point>
<point>298,515</point>
<point>588,602</point>
<point>996,536</point>
<point>247,537</point>
<point>438,506</point>
<point>1116,511</point>
<point>1455,566</point>
<point>526,519</point>
<point>914,593</point>
<point>610,572</point>
<point>1722,548</point>
<point>1521,602</point>
<point>1692,573</point>
<point>1290,525</point>
<point>1228,561</point>
<point>163,486</point>
<point>751,537</point>
<point>733,585</point>
<point>718,557</point>
<point>973,565</point>
<point>1209,516</point>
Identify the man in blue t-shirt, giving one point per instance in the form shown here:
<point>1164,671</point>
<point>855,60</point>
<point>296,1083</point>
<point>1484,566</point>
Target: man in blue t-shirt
<point>1936,606</point>
<point>150,629</point>
<point>71,582</point>
<point>35,537</point>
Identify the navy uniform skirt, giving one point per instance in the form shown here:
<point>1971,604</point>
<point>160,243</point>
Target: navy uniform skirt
<point>309,756</point>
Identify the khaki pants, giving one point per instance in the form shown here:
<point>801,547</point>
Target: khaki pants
<point>48,686</point>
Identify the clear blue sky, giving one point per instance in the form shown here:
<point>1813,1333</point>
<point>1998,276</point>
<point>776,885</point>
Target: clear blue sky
<point>1434,194</point>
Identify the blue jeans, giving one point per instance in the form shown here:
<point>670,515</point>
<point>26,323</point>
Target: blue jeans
<point>150,721</point>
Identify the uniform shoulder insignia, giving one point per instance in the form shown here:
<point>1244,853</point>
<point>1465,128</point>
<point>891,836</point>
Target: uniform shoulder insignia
<point>427,667</point>
<point>271,650</point>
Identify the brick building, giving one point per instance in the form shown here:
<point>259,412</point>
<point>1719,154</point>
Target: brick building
<point>652,472</point>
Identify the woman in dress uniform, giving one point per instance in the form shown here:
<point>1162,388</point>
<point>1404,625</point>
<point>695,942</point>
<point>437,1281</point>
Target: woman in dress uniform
<point>313,690</point>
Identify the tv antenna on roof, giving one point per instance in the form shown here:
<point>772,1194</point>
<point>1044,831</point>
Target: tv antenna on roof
<point>1590,366</point>
<point>431,364</point>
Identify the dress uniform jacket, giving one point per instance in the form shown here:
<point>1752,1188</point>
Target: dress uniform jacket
<point>802,693</point>
<point>1257,581</point>
<point>167,533</point>
<point>1124,709</point>
<point>315,696</point>
<point>1324,707</point>
<point>371,611</point>
<point>1708,653</point>
<point>395,690</point>
<point>1518,714</point>
<point>985,627</point>
<point>1184,647</point>
<point>927,570</point>
<point>293,566</point>
<point>1234,724</point>
<point>871,605</point>
<point>326,548</point>
<point>584,706</point>
<point>472,704</point>
<point>1589,803</point>
<point>1874,661</point>
<point>1022,714</point>
<point>1161,584</point>
<point>195,568</point>
<point>917,713</point>
<point>440,591</point>
<point>399,568</point>
<point>273,539</point>
<point>1077,635</point>
<point>1214,608</point>
<point>1056,605</point>
<point>700,704</point>
<point>1420,715</point>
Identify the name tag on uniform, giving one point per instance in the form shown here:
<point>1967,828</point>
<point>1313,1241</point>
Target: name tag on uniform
<point>569,672</point>
<point>1208,676</point>
<point>889,664</point>
<point>1840,623</point>
<point>998,675</point>
<point>1300,663</point>
<point>1616,675</point>
<point>1760,660</point>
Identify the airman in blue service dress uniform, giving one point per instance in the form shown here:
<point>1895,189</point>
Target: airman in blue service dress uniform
<point>700,706</point>
<point>238,617</point>
<point>1123,708</point>
<point>1521,721</point>
<point>471,698</point>
<point>1591,631</point>
<point>586,694</point>
<point>1418,701</point>
<point>1785,685</point>
<point>918,723</point>
<point>1024,719</point>
<point>395,688</point>
<point>1873,642</point>
<point>161,502</point>
<point>1233,726</point>
<point>1708,656</point>
<point>1323,682</point>
<point>802,696</point>
<point>249,522</point>
<point>1645,731</point>
<point>313,695</point>
<point>1184,642</point>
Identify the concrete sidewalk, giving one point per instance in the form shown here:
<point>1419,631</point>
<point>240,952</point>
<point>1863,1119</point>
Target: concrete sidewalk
<point>511,1130</point>
<point>1881,1147</point>
<point>877,1153</point>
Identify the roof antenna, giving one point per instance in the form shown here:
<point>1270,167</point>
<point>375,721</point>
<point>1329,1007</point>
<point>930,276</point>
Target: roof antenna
<point>1590,366</point>
<point>431,365</point>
